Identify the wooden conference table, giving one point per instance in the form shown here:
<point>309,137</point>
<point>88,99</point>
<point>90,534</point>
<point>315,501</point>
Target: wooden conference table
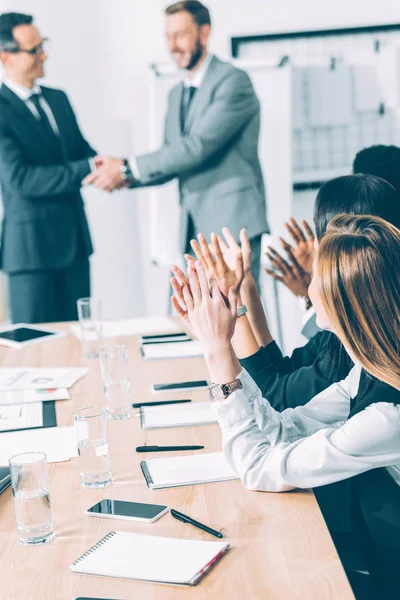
<point>280,546</point>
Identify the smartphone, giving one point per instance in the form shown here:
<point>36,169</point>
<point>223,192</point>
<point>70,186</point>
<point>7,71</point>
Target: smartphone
<point>180,387</point>
<point>131,511</point>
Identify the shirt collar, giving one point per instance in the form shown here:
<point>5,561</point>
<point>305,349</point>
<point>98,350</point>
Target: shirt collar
<point>21,91</point>
<point>198,77</point>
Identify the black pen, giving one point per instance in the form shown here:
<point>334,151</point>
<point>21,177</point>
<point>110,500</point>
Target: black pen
<point>186,519</point>
<point>159,403</point>
<point>166,448</point>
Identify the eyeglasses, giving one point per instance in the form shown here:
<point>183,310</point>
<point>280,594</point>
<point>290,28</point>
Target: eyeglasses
<point>35,51</point>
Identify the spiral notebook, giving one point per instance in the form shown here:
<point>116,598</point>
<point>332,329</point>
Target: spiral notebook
<point>172,415</point>
<point>187,470</point>
<point>150,558</point>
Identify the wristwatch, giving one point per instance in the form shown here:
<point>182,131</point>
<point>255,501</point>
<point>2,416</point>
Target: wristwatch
<point>221,392</point>
<point>126,172</point>
<point>241,310</point>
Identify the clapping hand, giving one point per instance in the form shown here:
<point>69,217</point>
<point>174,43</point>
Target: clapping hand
<point>215,262</point>
<point>291,274</point>
<point>212,317</point>
<point>303,250</point>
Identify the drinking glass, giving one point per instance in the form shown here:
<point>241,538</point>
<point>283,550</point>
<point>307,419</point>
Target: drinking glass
<point>94,459</point>
<point>116,381</point>
<point>30,488</point>
<point>89,313</point>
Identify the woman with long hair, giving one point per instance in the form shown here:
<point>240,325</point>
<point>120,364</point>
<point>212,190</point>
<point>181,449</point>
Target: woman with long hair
<point>292,381</point>
<point>351,430</point>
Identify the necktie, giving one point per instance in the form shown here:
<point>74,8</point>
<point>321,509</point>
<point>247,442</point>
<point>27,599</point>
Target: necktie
<point>44,120</point>
<point>189,92</point>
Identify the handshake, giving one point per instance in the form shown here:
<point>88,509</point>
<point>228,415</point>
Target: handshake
<point>108,175</point>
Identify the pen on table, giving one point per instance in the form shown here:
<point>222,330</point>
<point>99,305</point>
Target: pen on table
<point>159,403</point>
<point>186,519</point>
<point>166,448</point>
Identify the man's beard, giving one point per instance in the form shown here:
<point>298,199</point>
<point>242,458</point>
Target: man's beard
<point>196,56</point>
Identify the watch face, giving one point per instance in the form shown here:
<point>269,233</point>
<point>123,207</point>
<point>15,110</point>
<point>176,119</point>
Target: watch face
<point>216,392</point>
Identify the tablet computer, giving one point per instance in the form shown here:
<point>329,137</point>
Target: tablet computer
<point>22,334</point>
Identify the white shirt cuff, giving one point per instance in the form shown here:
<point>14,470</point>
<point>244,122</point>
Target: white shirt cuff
<point>92,165</point>
<point>238,405</point>
<point>134,167</point>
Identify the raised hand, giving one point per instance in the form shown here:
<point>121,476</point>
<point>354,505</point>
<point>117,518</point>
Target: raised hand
<point>303,249</point>
<point>291,275</point>
<point>211,316</point>
<point>215,264</point>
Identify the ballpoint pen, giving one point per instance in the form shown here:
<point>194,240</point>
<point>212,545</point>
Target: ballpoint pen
<point>166,448</point>
<point>159,403</point>
<point>185,519</point>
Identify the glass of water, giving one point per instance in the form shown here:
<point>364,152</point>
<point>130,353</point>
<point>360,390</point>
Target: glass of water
<point>94,461</point>
<point>116,381</point>
<point>30,487</point>
<point>90,318</point>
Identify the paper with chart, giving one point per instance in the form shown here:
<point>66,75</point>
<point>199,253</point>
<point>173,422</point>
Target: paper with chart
<point>27,396</point>
<point>58,443</point>
<point>37,379</point>
<point>127,327</point>
<point>158,417</point>
<point>21,416</point>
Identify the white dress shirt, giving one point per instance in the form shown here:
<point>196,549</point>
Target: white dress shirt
<point>189,81</point>
<point>309,445</point>
<point>25,93</point>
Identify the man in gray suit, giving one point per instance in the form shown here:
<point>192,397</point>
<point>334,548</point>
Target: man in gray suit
<point>211,138</point>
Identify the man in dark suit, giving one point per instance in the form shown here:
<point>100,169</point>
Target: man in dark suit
<point>45,245</point>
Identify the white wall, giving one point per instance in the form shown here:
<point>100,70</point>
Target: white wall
<point>100,56</point>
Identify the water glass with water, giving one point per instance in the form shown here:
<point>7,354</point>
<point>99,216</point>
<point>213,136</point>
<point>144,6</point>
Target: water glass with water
<point>30,488</point>
<point>90,319</point>
<point>94,459</point>
<point>116,381</point>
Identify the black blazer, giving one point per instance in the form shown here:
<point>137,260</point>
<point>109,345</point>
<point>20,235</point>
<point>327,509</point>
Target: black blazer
<point>44,224</point>
<point>287,382</point>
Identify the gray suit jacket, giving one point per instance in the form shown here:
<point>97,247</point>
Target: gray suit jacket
<point>215,157</point>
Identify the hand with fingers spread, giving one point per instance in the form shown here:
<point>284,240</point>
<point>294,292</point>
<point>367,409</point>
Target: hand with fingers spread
<point>292,275</point>
<point>211,316</point>
<point>303,249</point>
<point>215,264</point>
<point>178,301</point>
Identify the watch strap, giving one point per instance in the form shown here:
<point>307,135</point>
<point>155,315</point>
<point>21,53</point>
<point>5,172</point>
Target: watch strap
<point>241,310</point>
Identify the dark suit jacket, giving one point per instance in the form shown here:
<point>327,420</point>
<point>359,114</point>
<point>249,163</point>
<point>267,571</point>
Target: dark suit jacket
<point>287,382</point>
<point>44,224</point>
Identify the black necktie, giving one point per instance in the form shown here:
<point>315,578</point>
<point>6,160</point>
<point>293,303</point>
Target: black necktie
<point>43,120</point>
<point>189,92</point>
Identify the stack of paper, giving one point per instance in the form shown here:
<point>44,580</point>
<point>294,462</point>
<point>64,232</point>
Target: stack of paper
<point>172,415</point>
<point>172,350</point>
<point>58,443</point>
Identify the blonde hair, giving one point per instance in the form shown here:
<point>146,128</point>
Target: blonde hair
<point>359,280</point>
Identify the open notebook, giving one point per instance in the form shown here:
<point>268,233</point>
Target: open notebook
<point>175,415</point>
<point>187,470</point>
<point>172,350</point>
<point>150,558</point>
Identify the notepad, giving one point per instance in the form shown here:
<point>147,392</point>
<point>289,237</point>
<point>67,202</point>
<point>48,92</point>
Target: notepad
<point>128,327</point>
<point>187,470</point>
<point>58,443</point>
<point>150,558</point>
<point>172,350</point>
<point>172,415</point>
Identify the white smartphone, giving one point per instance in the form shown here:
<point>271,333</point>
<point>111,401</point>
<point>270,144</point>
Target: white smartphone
<point>131,511</point>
